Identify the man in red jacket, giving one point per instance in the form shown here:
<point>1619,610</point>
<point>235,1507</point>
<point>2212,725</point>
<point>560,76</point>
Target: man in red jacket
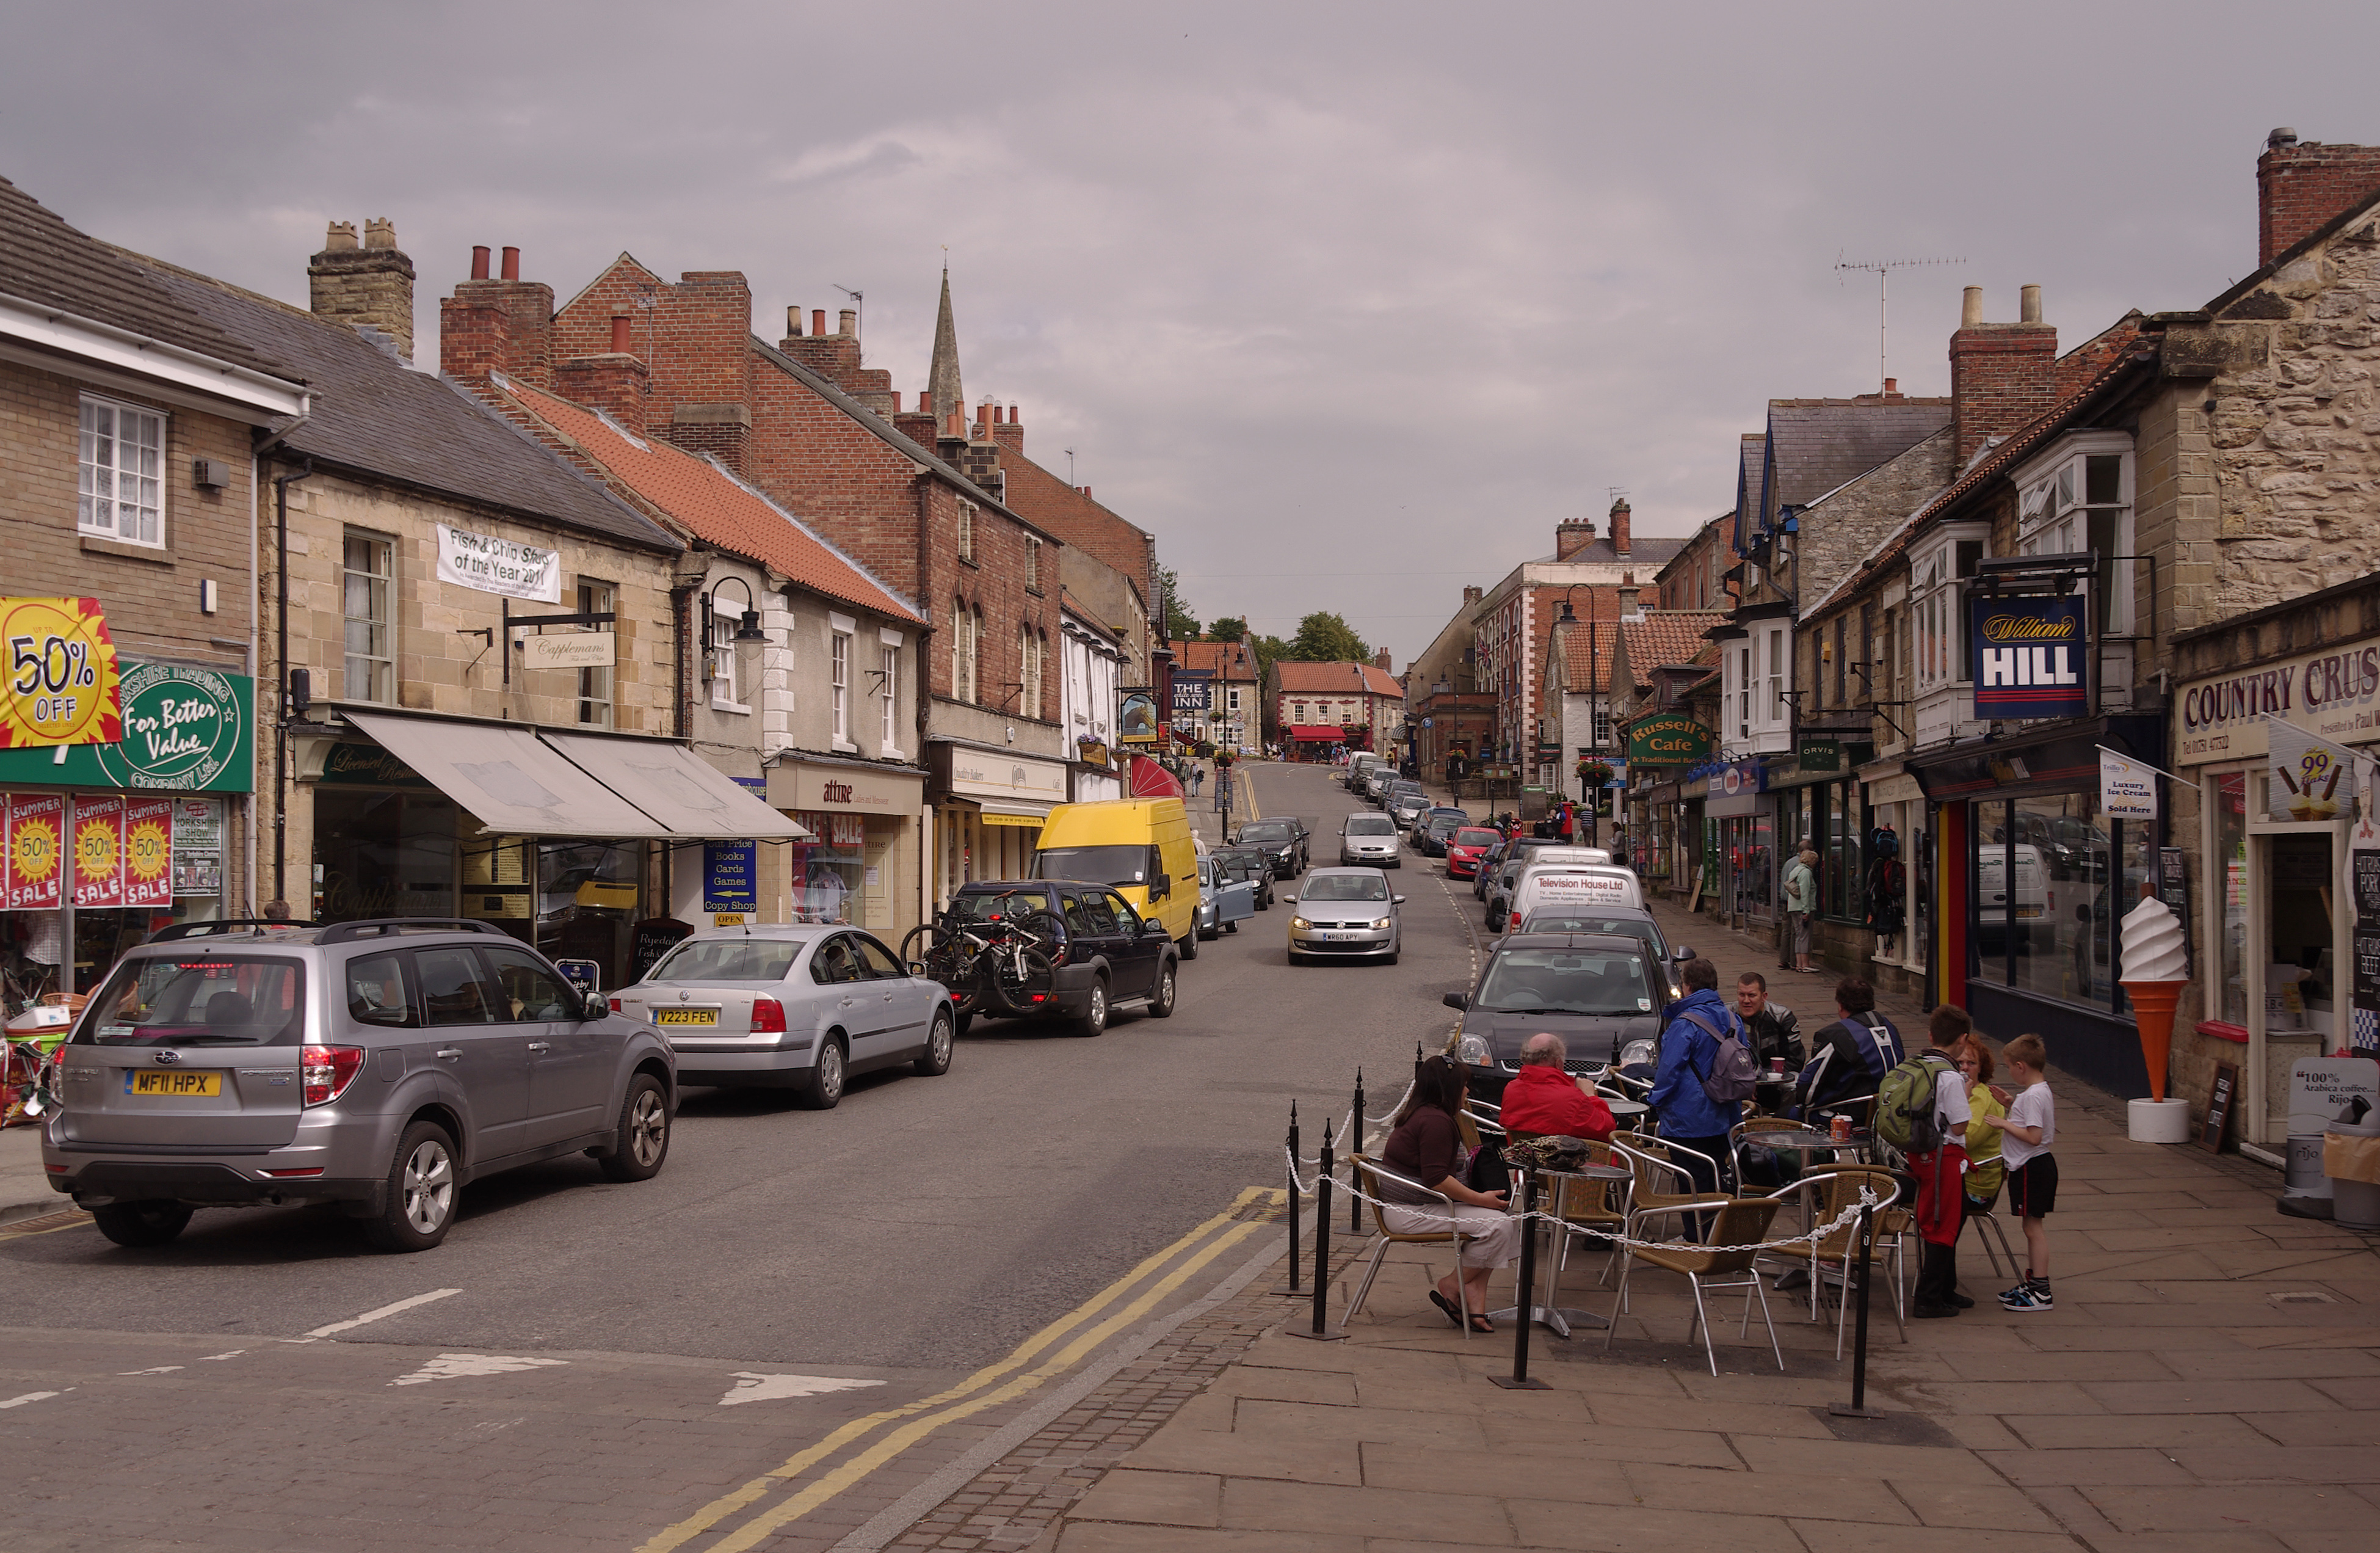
<point>1544,1100</point>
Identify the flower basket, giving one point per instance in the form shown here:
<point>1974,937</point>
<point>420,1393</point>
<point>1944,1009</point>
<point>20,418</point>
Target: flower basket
<point>1594,774</point>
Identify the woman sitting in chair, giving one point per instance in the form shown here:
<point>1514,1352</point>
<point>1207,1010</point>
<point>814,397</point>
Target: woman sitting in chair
<point>1427,1147</point>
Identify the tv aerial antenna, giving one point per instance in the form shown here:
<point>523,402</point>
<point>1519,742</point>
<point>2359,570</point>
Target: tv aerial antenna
<point>858,311</point>
<point>1883,271</point>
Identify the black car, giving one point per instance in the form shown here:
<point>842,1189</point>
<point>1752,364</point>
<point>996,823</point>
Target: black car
<point>1285,840</point>
<point>1233,864</point>
<point>1490,861</point>
<point>1432,826</point>
<point>1597,991</point>
<point>1104,958</point>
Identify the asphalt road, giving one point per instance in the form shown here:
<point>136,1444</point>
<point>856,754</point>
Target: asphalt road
<point>921,1230</point>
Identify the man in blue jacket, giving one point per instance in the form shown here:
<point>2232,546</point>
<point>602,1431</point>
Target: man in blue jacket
<point>1690,1118</point>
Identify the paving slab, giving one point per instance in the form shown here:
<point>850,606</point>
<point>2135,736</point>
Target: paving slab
<point>2247,1507</point>
<point>1165,1499</point>
<point>1386,1512</point>
<point>1821,1497</point>
<point>1632,1528</point>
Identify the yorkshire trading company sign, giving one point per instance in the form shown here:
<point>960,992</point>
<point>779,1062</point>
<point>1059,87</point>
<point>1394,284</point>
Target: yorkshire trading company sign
<point>2032,657</point>
<point>1667,739</point>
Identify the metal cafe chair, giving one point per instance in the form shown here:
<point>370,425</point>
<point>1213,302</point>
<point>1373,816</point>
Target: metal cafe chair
<point>1840,1190</point>
<point>1370,1174</point>
<point>1741,1223</point>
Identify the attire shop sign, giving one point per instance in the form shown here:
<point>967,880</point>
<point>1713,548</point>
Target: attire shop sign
<point>2032,657</point>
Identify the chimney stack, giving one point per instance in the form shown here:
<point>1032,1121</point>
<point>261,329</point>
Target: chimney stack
<point>1472,595</point>
<point>1620,511</point>
<point>1381,660</point>
<point>504,325</point>
<point>369,286</point>
<point>1629,608</point>
<point>2002,375</point>
<point>1571,536</point>
<point>2302,185</point>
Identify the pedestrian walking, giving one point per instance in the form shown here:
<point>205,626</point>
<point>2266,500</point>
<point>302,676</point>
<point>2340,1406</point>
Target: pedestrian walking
<point>1197,778</point>
<point>1801,902</point>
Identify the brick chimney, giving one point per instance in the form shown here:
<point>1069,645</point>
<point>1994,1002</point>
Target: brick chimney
<point>370,287</point>
<point>1620,526</point>
<point>615,381</point>
<point>2302,185</point>
<point>1009,432</point>
<point>505,325</point>
<point>1472,595</point>
<point>1572,534</point>
<point>1381,660</point>
<point>2002,375</point>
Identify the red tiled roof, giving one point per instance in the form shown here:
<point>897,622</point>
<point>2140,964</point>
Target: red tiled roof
<point>1586,651</point>
<point>1666,636</point>
<point>1223,660</point>
<point>1300,677</point>
<point>712,503</point>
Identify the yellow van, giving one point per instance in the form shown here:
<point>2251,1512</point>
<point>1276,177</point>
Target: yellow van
<point>1142,846</point>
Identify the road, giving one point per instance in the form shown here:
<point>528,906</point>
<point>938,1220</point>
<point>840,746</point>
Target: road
<point>587,1364</point>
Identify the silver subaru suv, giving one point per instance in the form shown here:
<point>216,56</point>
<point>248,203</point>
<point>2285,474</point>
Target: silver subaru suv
<point>380,1065</point>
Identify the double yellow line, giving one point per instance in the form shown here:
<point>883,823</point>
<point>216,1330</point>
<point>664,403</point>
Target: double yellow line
<point>971,1396</point>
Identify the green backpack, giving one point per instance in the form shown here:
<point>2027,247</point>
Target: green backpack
<point>1904,1105</point>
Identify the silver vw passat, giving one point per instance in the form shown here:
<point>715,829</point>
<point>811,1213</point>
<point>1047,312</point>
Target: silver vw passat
<point>380,1065</point>
<point>800,1007</point>
<point>1344,914</point>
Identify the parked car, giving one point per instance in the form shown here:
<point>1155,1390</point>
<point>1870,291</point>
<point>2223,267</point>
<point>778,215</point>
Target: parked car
<point>1285,840</point>
<point>1224,900</point>
<point>1251,865</point>
<point>1632,920</point>
<point>1376,781</point>
<point>1490,862</point>
<point>1344,914</point>
<point>1467,847</point>
<point>1405,804</point>
<point>1105,957</point>
<point>1600,992</point>
<point>801,1007</point>
<point>1434,826</point>
<point>382,1066</point>
<point>1518,853</point>
<point>1553,882</point>
<point>1370,840</point>
<point>1358,767</point>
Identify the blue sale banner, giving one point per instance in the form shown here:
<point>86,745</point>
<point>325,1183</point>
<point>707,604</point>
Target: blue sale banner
<point>2032,657</point>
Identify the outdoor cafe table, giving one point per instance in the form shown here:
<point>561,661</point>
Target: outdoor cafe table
<point>1544,1313</point>
<point>1627,1112</point>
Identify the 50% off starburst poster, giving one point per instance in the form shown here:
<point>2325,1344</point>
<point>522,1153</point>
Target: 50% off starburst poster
<point>59,684</point>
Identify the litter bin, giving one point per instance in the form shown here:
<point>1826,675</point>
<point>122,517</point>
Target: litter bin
<point>2350,1159</point>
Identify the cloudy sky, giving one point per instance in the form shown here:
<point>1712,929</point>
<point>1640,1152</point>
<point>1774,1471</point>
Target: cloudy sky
<point>1348,304</point>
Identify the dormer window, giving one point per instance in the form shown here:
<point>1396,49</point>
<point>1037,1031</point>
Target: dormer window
<point>1938,580</point>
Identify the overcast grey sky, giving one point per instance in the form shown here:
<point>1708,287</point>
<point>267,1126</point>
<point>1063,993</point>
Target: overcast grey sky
<point>1348,304</point>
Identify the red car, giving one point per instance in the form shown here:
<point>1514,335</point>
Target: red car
<point>1466,847</point>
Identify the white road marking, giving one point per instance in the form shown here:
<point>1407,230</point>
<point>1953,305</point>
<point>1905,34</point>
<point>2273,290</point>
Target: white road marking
<point>160,1369</point>
<point>213,1357</point>
<point>462,1366</point>
<point>382,1313</point>
<point>753,1386</point>
<point>32,1397</point>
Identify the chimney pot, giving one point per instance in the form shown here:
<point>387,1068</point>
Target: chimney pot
<point>850,322</point>
<point>2280,139</point>
<point>925,401</point>
<point>1891,385</point>
<point>817,320</point>
<point>2029,305</point>
<point>478,261</point>
<point>1087,493</point>
<point>341,238</point>
<point>379,232</point>
<point>512,262</point>
<point>793,322</point>
<point>1971,308</point>
<point>620,334</point>
<point>1015,419</point>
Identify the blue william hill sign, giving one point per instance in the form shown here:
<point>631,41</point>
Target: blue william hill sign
<point>2032,657</point>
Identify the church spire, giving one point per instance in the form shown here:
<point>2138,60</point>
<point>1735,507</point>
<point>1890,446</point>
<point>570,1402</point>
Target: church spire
<point>942,377</point>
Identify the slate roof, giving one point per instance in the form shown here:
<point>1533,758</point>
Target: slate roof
<point>1223,660</point>
<point>1300,677</point>
<point>377,415</point>
<point>1750,455</point>
<point>1814,445</point>
<point>43,260</point>
<point>712,503</point>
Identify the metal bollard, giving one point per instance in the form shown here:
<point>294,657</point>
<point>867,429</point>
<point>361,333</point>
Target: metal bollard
<point>1859,1408</point>
<point>1294,1289</point>
<point>1321,1330</point>
<point>1355,1128</point>
<point>1524,1309</point>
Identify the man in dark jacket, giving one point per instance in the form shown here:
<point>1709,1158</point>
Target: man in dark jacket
<point>1850,1057</point>
<point>1775,1032</point>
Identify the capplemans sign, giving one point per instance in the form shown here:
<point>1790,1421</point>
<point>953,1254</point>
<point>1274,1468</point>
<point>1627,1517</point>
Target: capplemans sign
<point>2330,694</point>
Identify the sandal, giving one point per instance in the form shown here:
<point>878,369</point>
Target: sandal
<point>1453,1316</point>
<point>1481,1324</point>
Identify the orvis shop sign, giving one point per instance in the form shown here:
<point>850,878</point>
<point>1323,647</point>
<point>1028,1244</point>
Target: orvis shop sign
<point>1667,739</point>
<point>186,730</point>
<point>2032,657</point>
<point>2333,694</point>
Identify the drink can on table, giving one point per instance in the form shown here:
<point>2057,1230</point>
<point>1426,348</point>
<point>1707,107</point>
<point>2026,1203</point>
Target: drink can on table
<point>1842,1129</point>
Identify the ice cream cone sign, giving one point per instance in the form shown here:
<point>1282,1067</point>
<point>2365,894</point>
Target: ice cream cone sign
<point>2155,970</point>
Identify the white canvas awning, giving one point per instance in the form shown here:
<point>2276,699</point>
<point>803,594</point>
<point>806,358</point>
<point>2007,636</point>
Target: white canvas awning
<point>680,790</point>
<point>509,781</point>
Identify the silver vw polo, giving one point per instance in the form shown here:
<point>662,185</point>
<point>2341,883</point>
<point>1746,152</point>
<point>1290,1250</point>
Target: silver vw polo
<point>380,1065</point>
<point>1344,914</point>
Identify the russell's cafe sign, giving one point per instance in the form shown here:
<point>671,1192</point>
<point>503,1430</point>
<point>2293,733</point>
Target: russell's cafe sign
<point>2333,694</point>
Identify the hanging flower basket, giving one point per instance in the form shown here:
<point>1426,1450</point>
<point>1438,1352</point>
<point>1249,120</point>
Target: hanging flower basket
<point>1594,774</point>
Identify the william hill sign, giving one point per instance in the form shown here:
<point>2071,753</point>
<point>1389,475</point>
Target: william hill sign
<point>2030,658</point>
<point>1667,739</point>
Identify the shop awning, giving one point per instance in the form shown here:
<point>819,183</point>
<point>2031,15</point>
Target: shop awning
<point>1149,779</point>
<point>1316,732</point>
<point>509,781</point>
<point>684,792</point>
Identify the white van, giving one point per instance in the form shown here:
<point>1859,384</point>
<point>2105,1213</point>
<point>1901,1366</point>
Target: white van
<point>1571,886</point>
<point>2027,916</point>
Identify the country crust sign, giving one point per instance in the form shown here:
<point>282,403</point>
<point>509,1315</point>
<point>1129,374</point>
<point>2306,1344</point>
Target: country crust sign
<point>1667,739</point>
<point>60,674</point>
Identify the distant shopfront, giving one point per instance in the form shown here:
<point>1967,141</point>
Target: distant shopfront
<point>864,866</point>
<point>989,806</point>
<point>105,843</point>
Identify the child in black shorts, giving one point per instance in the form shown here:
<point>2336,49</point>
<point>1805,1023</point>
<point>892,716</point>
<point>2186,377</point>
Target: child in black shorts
<point>2030,1125</point>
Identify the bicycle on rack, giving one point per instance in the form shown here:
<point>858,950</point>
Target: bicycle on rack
<point>991,958</point>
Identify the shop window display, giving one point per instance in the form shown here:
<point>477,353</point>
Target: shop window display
<point>2231,864</point>
<point>2053,879</point>
<point>829,872</point>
